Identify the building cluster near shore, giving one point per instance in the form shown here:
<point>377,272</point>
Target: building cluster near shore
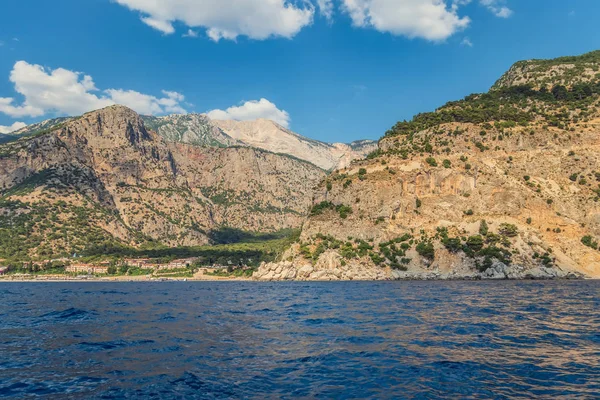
<point>141,263</point>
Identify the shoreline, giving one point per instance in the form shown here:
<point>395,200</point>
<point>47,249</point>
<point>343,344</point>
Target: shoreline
<point>238,279</point>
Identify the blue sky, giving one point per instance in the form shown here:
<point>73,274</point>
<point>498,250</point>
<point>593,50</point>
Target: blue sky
<point>343,71</point>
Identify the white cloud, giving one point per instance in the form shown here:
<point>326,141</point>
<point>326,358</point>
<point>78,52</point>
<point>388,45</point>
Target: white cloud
<point>11,128</point>
<point>433,20</point>
<point>147,104</point>
<point>160,25</point>
<point>326,8</point>
<point>497,8</point>
<point>190,33</point>
<point>63,91</point>
<point>467,42</point>
<point>252,110</point>
<point>226,19</point>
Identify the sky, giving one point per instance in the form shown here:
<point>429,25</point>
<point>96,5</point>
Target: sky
<point>332,70</point>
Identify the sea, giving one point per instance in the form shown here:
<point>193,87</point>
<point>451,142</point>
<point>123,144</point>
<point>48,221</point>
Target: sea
<point>317,340</point>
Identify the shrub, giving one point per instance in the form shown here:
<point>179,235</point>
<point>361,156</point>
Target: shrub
<point>377,259</point>
<point>446,163</point>
<point>362,171</point>
<point>322,206</point>
<point>527,178</point>
<point>329,186</point>
<point>589,242</point>
<point>481,146</point>
<point>483,228</point>
<point>418,203</point>
<point>469,212</point>
<point>475,243</point>
<point>497,253</point>
<point>573,177</point>
<point>454,245</point>
<point>344,211</point>
<point>426,250</point>
<point>431,161</point>
<point>508,230</point>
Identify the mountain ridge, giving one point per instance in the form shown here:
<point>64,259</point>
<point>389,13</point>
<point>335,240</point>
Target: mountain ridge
<point>200,130</point>
<point>499,185</point>
<point>106,181</point>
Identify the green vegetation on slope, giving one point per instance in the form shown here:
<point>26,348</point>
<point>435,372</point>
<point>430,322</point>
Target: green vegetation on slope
<point>507,107</point>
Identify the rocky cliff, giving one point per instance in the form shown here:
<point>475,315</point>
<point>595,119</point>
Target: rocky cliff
<point>104,179</point>
<point>199,130</point>
<point>268,135</point>
<point>504,184</point>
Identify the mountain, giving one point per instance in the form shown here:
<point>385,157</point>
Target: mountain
<point>104,180</point>
<point>503,184</point>
<point>268,135</point>
<point>200,130</point>
<point>566,71</point>
<point>32,129</point>
<point>195,129</point>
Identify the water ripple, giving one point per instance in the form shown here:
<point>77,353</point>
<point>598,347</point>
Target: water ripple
<point>425,340</point>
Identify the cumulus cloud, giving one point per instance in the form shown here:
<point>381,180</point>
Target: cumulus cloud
<point>63,91</point>
<point>146,104</point>
<point>227,19</point>
<point>252,110</point>
<point>433,20</point>
<point>497,7</point>
<point>11,128</point>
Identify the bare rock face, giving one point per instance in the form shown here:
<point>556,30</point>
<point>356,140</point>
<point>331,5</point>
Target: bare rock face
<point>268,135</point>
<point>327,268</point>
<point>135,187</point>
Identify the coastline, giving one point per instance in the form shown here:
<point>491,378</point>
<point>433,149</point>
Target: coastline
<point>238,279</point>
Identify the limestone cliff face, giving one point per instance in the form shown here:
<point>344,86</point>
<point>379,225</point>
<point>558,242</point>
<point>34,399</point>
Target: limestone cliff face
<point>113,172</point>
<point>195,129</point>
<point>268,135</point>
<point>499,185</point>
<point>199,130</point>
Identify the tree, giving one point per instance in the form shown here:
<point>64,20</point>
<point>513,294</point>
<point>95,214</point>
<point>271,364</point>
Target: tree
<point>560,92</point>
<point>426,250</point>
<point>475,243</point>
<point>483,228</point>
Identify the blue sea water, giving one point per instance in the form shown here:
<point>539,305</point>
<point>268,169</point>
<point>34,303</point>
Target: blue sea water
<point>350,340</point>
